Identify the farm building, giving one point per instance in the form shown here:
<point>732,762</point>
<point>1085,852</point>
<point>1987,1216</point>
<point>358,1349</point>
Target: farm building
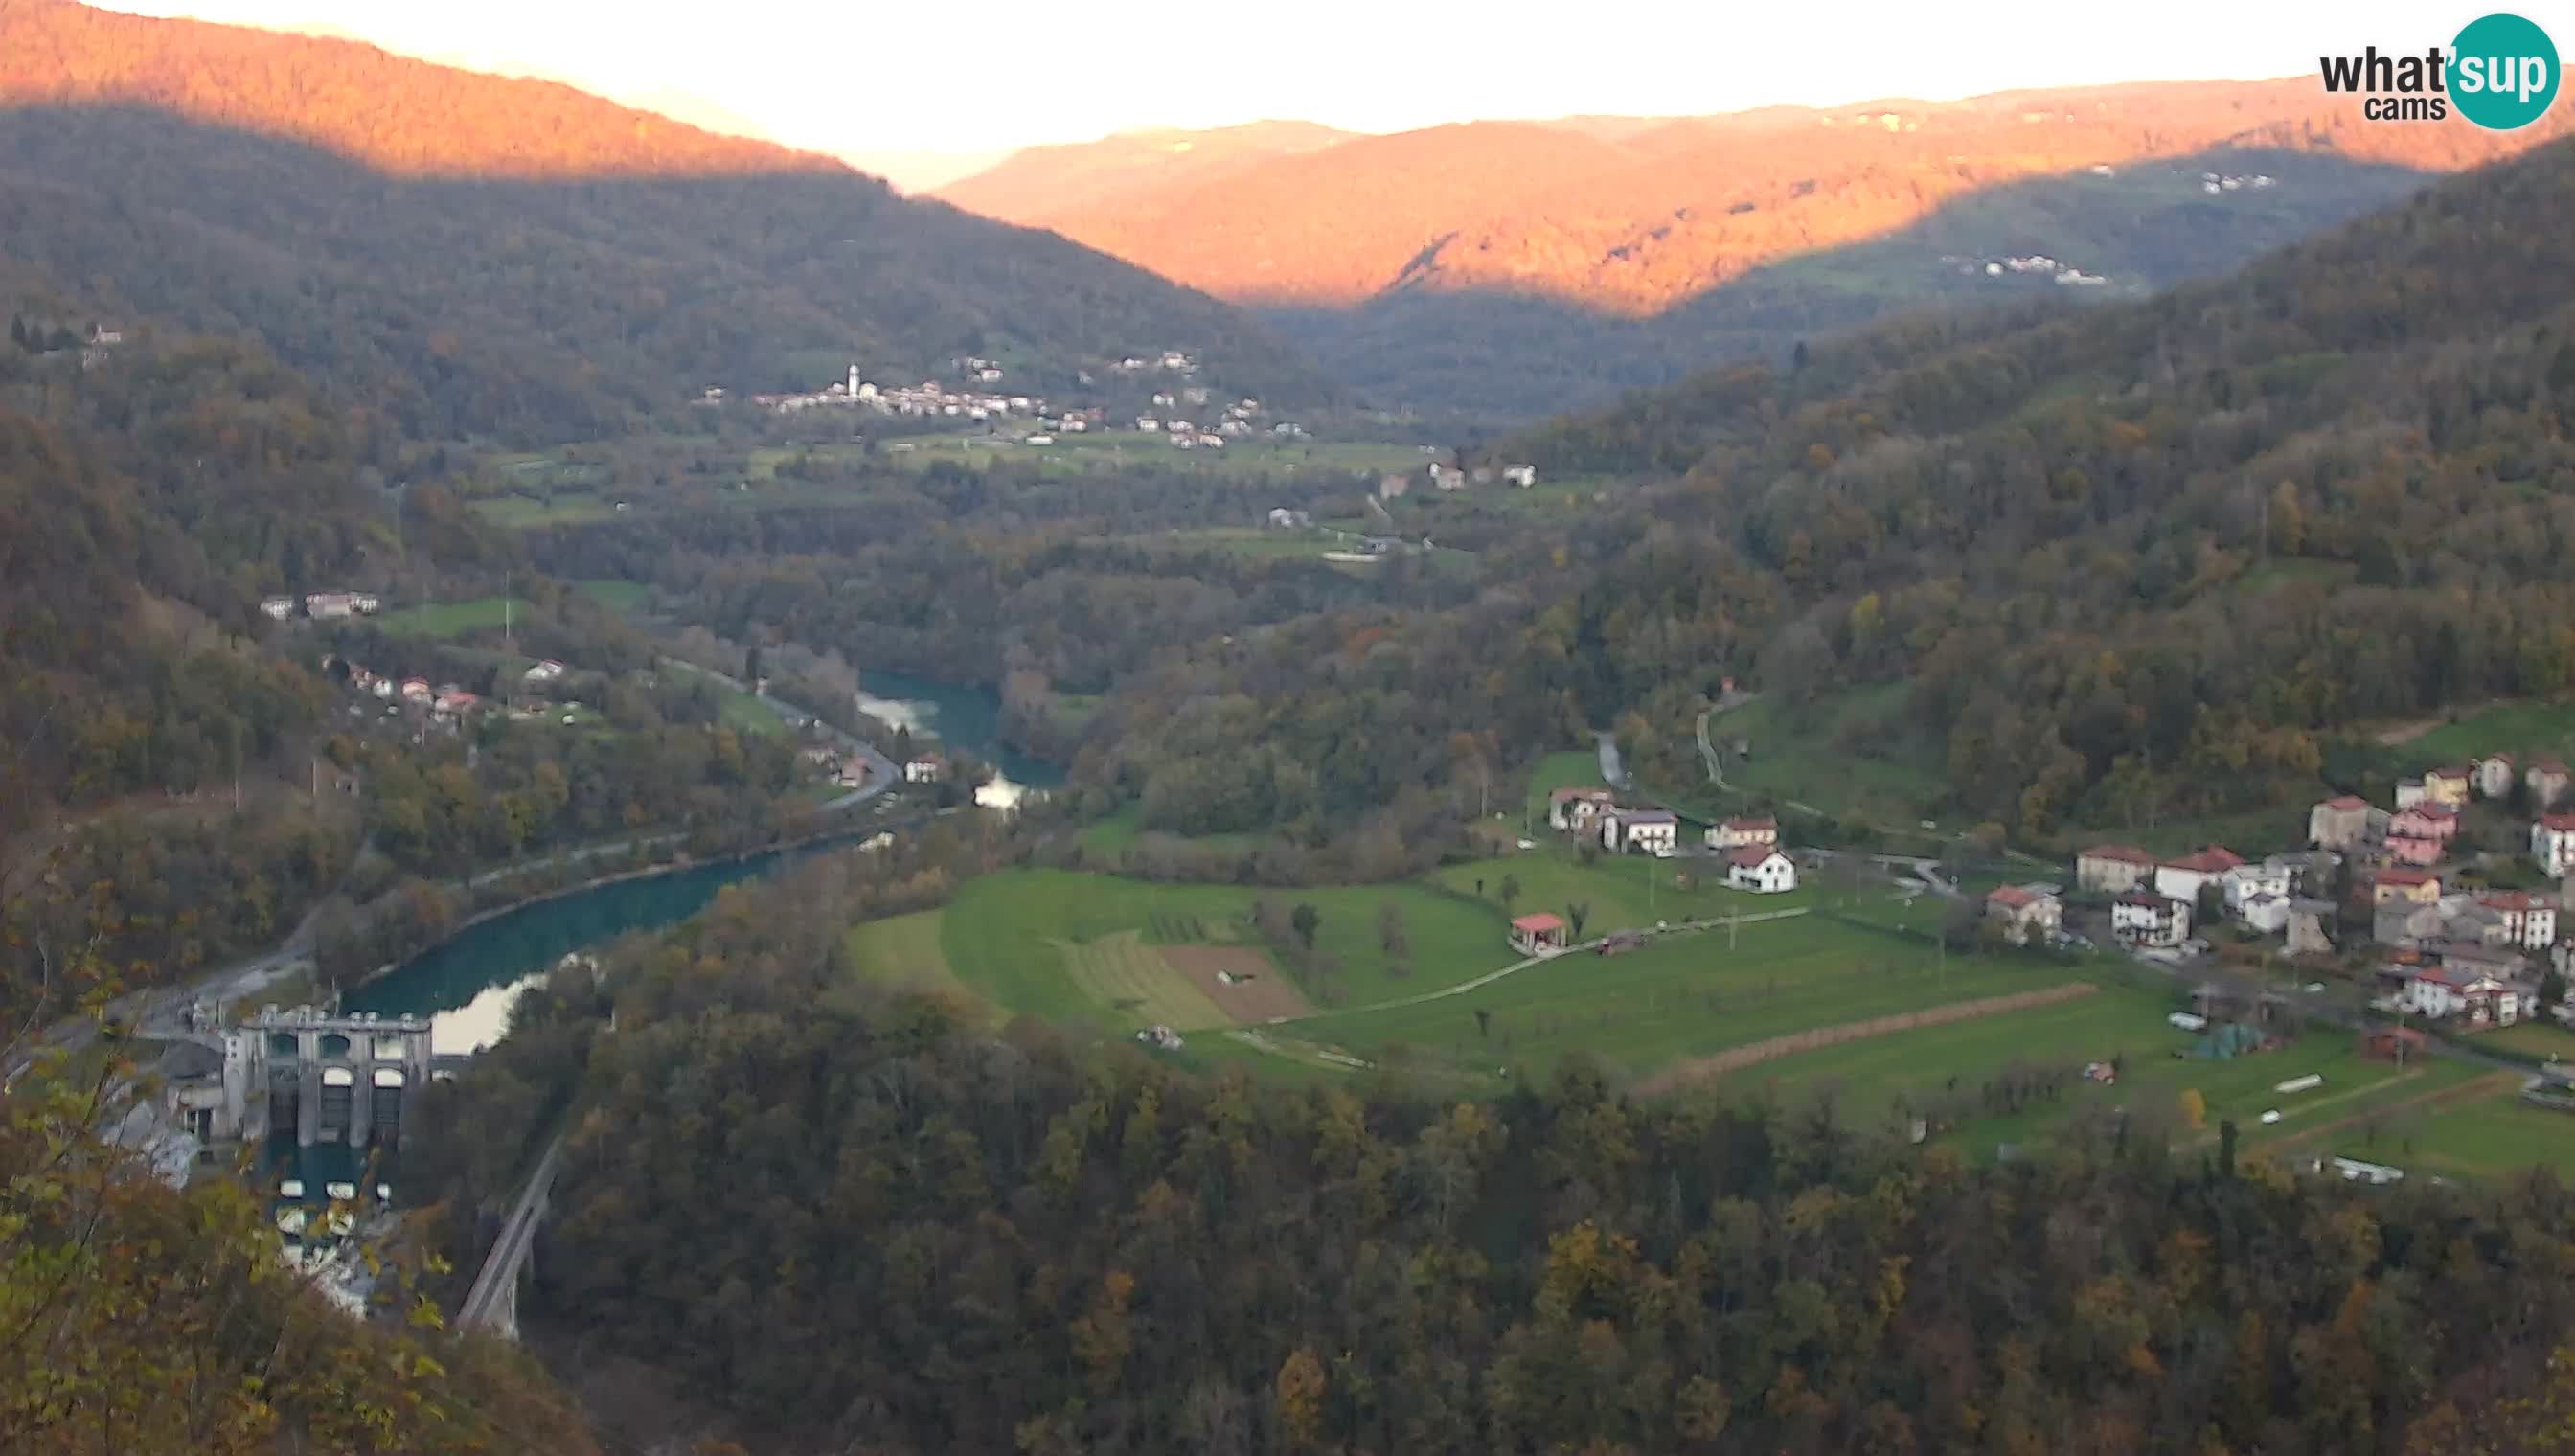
<point>1760,869</point>
<point>1539,934</point>
<point>1654,830</point>
<point>2113,869</point>
<point>2143,918</point>
<point>2025,912</point>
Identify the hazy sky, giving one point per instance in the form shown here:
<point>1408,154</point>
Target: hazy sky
<point>962,76</point>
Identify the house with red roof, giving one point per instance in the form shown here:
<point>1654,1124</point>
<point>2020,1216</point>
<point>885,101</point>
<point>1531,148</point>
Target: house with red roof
<point>2430,819</point>
<point>2408,851</point>
<point>2399,884</point>
<point>1578,808</point>
<point>1760,869</point>
<point>2114,869</point>
<point>2444,991</point>
<point>2338,823</point>
<point>2528,920</point>
<point>1539,934</point>
<point>2181,878</point>
<point>2025,911</point>
<point>2552,843</point>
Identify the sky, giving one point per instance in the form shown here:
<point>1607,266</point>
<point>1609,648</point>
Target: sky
<point>1000,74</point>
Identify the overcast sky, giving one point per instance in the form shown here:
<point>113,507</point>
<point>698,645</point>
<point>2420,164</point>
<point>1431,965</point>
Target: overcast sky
<point>962,76</point>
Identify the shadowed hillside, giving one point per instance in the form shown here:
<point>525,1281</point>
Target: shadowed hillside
<point>491,257</point>
<point>1403,261</point>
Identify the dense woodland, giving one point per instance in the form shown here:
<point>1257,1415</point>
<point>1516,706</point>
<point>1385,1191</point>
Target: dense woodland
<point>836,1219</point>
<point>2143,559</point>
<point>474,256</point>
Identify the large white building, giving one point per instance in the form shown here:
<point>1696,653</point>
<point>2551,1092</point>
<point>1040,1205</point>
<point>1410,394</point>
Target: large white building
<point>2552,843</point>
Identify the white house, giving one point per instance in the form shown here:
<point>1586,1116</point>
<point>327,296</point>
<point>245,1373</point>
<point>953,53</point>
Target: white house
<point>2264,912</point>
<point>548,671</point>
<point>2244,882</point>
<point>277,608</point>
<point>1523,475</point>
<point>328,604</point>
<point>1761,868</point>
<point>2410,791</point>
<point>2552,843</point>
<point>2480,1000</point>
<point>1655,831</point>
<point>2181,878</point>
<point>1743,833</point>
<point>2494,776</point>
<point>2528,920</point>
<point>925,769</point>
<point>2143,917</point>
<point>1578,808</point>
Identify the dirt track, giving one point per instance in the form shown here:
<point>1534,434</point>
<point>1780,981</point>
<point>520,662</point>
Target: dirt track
<point>1755,1053</point>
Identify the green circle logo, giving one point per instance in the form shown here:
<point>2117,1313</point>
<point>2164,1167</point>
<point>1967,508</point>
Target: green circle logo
<point>2503,72</point>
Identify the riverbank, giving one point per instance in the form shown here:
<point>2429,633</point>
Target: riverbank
<point>681,865</point>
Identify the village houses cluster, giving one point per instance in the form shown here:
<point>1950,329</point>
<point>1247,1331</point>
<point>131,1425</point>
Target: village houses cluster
<point>1746,851</point>
<point>977,403</point>
<point>1445,477</point>
<point>2450,950</point>
<point>321,606</point>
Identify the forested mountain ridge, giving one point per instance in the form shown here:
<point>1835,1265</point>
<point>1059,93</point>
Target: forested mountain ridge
<point>2141,559</point>
<point>509,258</point>
<point>1624,257</point>
<point>2154,551</point>
<point>1036,183</point>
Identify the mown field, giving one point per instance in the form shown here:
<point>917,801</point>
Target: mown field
<point>1681,997</point>
<point>2489,1134</point>
<point>1038,941</point>
<point>1127,449</point>
<point>1839,999</point>
<point>443,618</point>
<point>903,951</point>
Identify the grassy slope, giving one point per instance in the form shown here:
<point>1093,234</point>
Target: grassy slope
<point>903,952</point>
<point>443,618</point>
<point>1001,935</point>
<point>1685,996</point>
